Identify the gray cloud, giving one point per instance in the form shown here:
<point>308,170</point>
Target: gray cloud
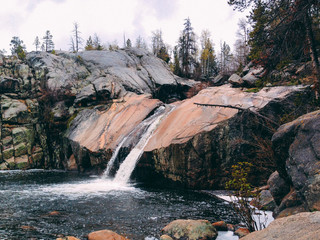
<point>32,4</point>
<point>162,10</point>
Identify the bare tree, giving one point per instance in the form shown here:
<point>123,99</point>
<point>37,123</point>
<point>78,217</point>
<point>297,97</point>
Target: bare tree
<point>76,40</point>
<point>157,41</point>
<point>141,43</point>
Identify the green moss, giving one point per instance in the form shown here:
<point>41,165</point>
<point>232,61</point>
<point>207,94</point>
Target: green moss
<point>11,165</point>
<point>253,90</point>
<point>71,119</point>
<point>8,153</point>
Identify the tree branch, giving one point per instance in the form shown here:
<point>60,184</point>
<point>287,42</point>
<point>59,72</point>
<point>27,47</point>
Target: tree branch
<point>238,108</point>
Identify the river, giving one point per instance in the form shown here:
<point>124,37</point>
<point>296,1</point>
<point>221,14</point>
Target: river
<point>88,203</point>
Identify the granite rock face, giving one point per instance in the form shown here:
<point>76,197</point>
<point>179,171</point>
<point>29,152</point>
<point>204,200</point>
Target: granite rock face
<point>297,152</point>
<point>195,146</point>
<point>43,94</point>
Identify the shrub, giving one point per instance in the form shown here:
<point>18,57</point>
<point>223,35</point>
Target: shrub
<point>241,195</point>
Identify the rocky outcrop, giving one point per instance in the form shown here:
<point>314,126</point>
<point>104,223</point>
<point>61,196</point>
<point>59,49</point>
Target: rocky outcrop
<point>297,152</point>
<point>42,95</point>
<point>302,226</point>
<point>22,136</point>
<point>189,230</point>
<point>195,146</point>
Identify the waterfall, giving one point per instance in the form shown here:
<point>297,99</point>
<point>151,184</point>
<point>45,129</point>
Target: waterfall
<point>106,172</point>
<point>148,126</point>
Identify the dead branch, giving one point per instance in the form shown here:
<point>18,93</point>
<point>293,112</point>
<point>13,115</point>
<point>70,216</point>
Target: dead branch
<point>238,108</point>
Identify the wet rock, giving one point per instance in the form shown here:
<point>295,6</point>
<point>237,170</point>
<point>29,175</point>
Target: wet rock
<point>303,226</point>
<point>190,230</point>
<point>242,232</point>
<point>220,226</point>
<point>105,235</point>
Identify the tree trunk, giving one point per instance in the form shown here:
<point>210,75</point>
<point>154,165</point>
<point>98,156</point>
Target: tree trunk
<point>313,53</point>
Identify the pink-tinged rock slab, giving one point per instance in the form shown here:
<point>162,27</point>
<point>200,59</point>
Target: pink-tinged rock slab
<point>101,130</point>
<point>188,119</point>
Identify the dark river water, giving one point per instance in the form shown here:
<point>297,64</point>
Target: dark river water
<point>87,204</point>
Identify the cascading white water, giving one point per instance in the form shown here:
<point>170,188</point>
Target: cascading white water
<point>106,173</point>
<point>128,165</point>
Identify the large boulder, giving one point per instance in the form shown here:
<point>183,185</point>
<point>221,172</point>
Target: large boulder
<point>297,151</point>
<point>190,230</point>
<point>235,80</point>
<point>302,226</point>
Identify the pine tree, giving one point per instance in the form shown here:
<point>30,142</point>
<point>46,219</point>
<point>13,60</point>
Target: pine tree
<point>89,44</point>
<point>48,43</point>
<point>97,42</point>
<point>288,31</point>
<point>17,47</point>
<point>128,43</point>
<point>176,62</point>
<point>187,49</point>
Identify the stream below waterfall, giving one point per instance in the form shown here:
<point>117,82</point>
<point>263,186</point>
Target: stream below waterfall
<point>85,204</point>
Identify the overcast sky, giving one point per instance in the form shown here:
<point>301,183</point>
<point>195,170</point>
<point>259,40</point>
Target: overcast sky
<point>110,19</point>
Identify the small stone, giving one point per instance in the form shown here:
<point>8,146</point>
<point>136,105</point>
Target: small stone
<point>230,227</point>
<point>241,232</point>
<point>28,228</point>
<point>105,235</point>
<point>220,226</point>
<point>166,237</point>
<point>68,238</point>
<point>54,213</point>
